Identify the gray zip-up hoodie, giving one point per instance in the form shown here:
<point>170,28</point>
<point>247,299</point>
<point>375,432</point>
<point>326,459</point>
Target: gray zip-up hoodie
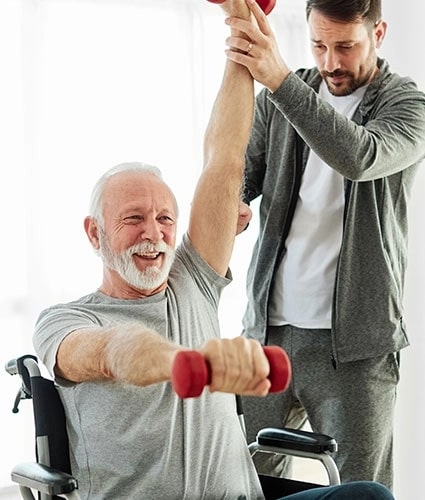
<point>378,153</point>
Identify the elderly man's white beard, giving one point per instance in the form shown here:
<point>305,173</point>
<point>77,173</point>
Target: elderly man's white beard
<point>149,279</point>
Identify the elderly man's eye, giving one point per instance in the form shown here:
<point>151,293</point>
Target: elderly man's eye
<point>132,219</point>
<point>167,219</point>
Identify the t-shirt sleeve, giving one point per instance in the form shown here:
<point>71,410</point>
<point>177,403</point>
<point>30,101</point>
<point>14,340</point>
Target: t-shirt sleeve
<point>207,280</point>
<point>52,326</point>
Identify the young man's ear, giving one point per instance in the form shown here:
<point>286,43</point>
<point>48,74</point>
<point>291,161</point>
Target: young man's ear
<point>92,231</point>
<point>379,32</point>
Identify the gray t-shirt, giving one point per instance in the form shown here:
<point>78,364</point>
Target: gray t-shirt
<point>136,443</point>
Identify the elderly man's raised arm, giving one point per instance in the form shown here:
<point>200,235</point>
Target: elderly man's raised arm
<point>214,215</point>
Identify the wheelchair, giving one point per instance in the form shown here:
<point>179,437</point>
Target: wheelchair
<point>50,476</point>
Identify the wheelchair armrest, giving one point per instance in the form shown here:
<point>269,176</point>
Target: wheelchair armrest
<point>296,439</point>
<point>298,443</point>
<point>43,478</point>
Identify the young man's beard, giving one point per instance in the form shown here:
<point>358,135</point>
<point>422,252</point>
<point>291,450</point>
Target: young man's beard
<point>353,82</point>
<point>150,278</point>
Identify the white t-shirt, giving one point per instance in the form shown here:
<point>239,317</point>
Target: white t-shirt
<point>304,281</point>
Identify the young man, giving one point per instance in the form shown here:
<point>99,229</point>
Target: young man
<point>333,155</point>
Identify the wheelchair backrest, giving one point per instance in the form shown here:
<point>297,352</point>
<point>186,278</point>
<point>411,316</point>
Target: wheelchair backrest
<point>51,438</point>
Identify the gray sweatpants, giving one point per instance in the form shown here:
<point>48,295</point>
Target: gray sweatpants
<point>353,403</point>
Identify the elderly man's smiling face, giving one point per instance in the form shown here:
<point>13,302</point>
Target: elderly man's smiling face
<point>138,237</point>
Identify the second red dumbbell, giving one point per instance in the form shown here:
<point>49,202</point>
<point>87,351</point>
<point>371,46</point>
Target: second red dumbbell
<point>191,372</point>
<point>266,5</point>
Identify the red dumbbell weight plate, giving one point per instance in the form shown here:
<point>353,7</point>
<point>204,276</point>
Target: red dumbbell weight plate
<point>266,5</point>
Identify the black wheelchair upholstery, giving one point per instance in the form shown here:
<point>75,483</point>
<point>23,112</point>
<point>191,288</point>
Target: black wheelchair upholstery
<point>50,475</point>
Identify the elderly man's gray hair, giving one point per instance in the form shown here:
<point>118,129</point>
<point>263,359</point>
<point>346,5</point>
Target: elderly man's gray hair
<point>95,207</point>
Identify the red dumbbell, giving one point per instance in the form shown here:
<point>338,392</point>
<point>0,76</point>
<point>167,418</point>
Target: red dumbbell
<point>266,5</point>
<point>190,372</point>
